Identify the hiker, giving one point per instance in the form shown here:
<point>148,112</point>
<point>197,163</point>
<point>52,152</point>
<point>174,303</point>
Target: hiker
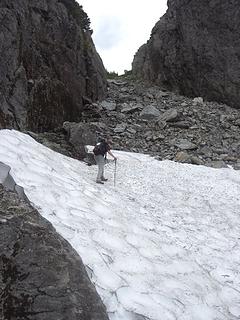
<point>100,151</point>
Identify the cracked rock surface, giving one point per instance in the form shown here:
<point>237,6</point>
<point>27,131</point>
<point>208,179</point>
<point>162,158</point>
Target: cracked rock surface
<point>194,49</point>
<point>41,276</point>
<point>49,67</point>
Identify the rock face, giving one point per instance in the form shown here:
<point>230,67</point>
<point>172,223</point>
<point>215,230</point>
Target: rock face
<point>49,68</point>
<point>194,50</point>
<point>41,276</point>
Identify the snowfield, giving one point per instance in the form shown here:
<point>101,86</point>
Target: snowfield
<point>163,244</point>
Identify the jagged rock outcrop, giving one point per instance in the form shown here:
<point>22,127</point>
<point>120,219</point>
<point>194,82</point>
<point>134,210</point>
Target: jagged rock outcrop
<point>41,276</point>
<point>8,182</point>
<point>194,50</point>
<point>49,68</point>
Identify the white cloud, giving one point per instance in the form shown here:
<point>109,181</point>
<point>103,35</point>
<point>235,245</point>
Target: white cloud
<point>109,32</point>
<point>121,27</point>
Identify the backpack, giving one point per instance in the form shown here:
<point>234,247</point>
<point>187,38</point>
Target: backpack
<point>98,149</point>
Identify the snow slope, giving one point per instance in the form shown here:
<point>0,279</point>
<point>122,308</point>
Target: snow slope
<point>163,244</point>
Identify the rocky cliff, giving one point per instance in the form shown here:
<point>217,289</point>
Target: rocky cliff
<point>41,276</point>
<point>49,68</point>
<point>194,49</point>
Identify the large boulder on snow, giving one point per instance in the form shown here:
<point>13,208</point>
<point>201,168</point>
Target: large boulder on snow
<point>49,67</point>
<point>194,49</point>
<point>42,276</point>
<point>82,134</point>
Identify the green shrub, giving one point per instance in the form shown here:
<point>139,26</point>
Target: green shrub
<point>112,75</point>
<point>77,12</point>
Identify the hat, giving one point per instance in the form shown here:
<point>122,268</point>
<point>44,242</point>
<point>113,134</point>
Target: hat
<point>109,140</point>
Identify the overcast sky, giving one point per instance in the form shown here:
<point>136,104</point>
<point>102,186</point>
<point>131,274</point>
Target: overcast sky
<point>120,27</point>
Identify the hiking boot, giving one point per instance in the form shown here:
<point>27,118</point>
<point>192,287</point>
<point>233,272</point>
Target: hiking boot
<point>104,179</point>
<point>99,182</point>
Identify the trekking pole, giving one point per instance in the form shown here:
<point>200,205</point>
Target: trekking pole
<point>115,172</point>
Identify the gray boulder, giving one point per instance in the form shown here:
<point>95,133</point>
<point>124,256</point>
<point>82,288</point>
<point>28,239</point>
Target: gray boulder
<point>184,157</point>
<point>121,127</point>
<point>170,115</point>
<point>109,106</point>
<point>150,113</point>
<point>81,134</point>
<point>217,164</point>
<point>184,144</point>
<point>126,108</point>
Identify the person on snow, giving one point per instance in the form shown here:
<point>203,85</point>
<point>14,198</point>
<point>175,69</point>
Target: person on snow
<point>100,151</point>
